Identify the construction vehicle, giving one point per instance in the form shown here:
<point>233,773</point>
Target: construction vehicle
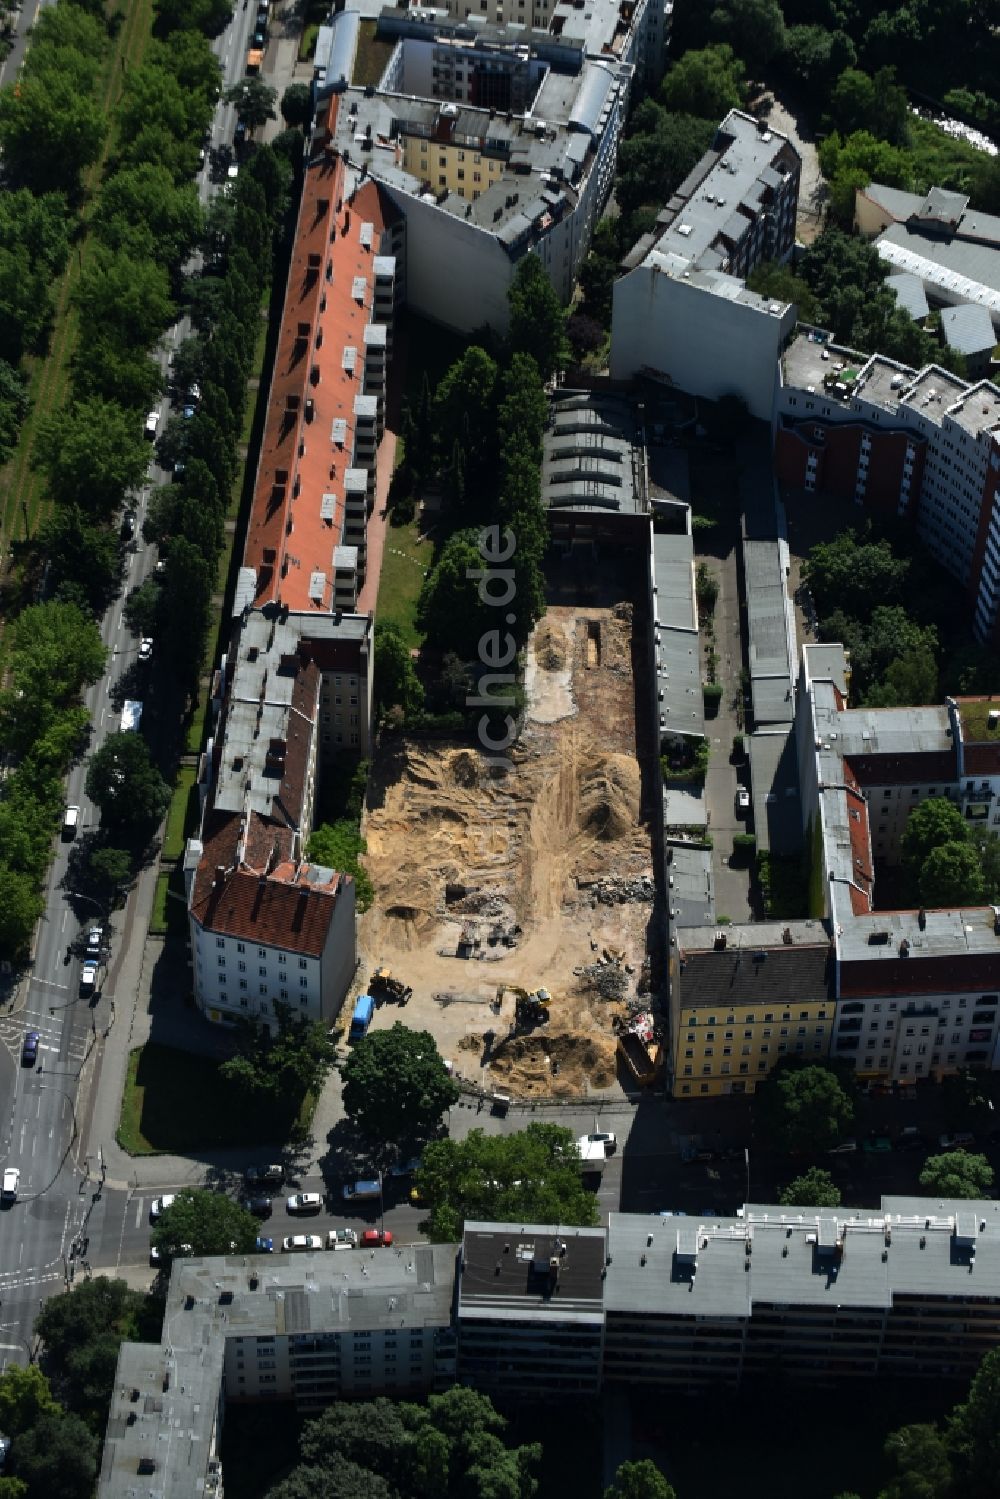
<point>384,985</point>
<point>530,1011</point>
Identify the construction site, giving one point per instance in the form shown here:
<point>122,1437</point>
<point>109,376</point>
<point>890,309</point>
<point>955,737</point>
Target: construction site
<point>516,905</point>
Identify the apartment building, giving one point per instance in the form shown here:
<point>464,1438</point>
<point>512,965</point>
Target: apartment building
<point>742,997</point>
<point>493,134</point>
<point>681,311</point>
<point>922,445</point>
<point>908,1291</point>
<point>917,991</point>
<point>308,1328</point>
<point>530,1309</point>
<point>267,927</point>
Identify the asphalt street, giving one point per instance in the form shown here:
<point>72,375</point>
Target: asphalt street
<point>41,1108</point>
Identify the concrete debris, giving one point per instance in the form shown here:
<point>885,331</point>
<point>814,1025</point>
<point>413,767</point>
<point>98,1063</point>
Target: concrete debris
<point>613,890</point>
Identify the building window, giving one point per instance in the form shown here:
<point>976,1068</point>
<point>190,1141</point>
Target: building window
<point>243,983</point>
<point>241,947</point>
<point>283,994</point>
<point>220,941</point>
<point>282,958</point>
<point>221,960</point>
<point>302,963</point>
<point>303,983</point>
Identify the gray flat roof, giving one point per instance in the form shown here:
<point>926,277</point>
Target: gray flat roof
<point>771,631</point>
<point>954,269</point>
<point>691,887</point>
<point>592,456</point>
<point>680,705</point>
<point>756,934</point>
<point>803,365</point>
<point>774,780</point>
<point>909,293</point>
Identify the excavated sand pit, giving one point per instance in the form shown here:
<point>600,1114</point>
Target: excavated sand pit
<point>484,880</point>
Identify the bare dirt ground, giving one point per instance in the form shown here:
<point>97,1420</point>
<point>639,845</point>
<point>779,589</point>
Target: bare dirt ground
<point>457,849</point>
<point>812,189</point>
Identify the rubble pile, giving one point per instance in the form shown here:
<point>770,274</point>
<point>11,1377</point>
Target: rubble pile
<point>615,890</point>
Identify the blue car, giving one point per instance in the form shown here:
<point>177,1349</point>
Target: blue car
<point>265,1246</point>
<point>29,1049</point>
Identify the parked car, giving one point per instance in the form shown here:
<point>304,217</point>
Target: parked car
<point>128,525</point>
<point>271,1175</point>
<point>29,1049</point>
<point>296,1243</point>
<point>259,1206</point>
<point>174,1252</point>
<point>304,1202</point>
<point>264,1246</point>
<point>376,1238</point>
<point>846,1147</point>
<point>877,1144</point>
<point>159,1205</point>
<point>152,423</point>
<point>605,1138</point>
<point>405,1168</point>
<point>355,1191</point>
<point>341,1238</point>
<point>960,1140</point>
<point>95,937</point>
<point>11,1178</point>
<point>910,1138</point>
<point>742,802</point>
<point>88,977</point>
<point>71,821</point>
<point>146,648</point>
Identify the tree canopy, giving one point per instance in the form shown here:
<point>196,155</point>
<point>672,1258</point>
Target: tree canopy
<point>706,83</point>
<point>210,1222</point>
<point>814,1188</point>
<point>639,1480</point>
<point>803,1106</point>
<point>531,1176</point>
<point>82,1333</point>
<point>396,682</point>
<point>453,1447</point>
<point>537,318</point>
<point>952,875</point>
<point>124,782</point>
<point>957,1173</point>
<point>93,455</point>
<point>396,1087</point>
<point>280,1068</point>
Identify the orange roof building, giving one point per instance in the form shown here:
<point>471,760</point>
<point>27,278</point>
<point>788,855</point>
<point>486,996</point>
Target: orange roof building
<point>266,926</point>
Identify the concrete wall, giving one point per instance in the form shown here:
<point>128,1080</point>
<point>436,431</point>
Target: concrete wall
<point>340,955</point>
<point>456,273</point>
<point>703,343</point>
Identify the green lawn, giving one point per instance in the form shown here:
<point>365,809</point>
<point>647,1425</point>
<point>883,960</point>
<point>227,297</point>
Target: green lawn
<point>369,65</point>
<point>168,917</point>
<point>182,814</point>
<point>175,1101</point>
<point>404,562</point>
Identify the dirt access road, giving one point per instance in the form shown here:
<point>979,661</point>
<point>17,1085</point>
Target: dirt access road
<point>459,850</point>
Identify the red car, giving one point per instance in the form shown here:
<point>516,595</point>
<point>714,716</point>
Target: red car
<point>373,1238</point>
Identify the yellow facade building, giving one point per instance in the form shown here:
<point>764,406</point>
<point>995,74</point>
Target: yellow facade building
<point>447,167</point>
<point>743,997</point>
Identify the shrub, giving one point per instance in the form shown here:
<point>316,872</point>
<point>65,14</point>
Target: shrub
<point>712,693</point>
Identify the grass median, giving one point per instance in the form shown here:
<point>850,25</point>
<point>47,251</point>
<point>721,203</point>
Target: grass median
<point>175,1102</point>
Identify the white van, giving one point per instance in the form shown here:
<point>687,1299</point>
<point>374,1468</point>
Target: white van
<point>71,821</point>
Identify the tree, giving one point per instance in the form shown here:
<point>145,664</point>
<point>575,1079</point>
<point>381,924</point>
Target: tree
<point>920,1458</point>
<point>779,283</point>
<point>756,29</point>
<point>209,16</point>
<point>280,1069</point>
<point>952,876</point>
<point>188,596</point>
<point>253,100</point>
<point>25,1396</point>
<point>111,868</point>
<point>82,1333</point>
<point>396,683</point>
<point>50,131</point>
<point>524,408</point>
<point>852,574</point>
<point>189,57</point>
<point>92,455</point>
<point>396,1087</point>
<point>21,906</point>
<point>973,1431</point>
<point>959,1173</point>
<point>660,151</point>
<point>297,105</point>
<point>803,1106</point>
<point>81,554</point>
<point>814,1188</point>
<point>463,412</point>
<point>450,610</point>
<point>127,376</point>
<point>537,318</point>
<point>58,1455</point>
<point>339,845</point>
<point>142,607</point>
<point>14,407</point>
<point>142,211</point>
<point>210,1222</point>
<point>123,781</point>
<point>878,105</point>
<point>125,297</point>
<point>34,245</point>
<point>639,1480</point>
<point>934,822</point>
<point>154,93</point>
<point>815,56</point>
<point>58,651</point>
<point>532,1176</point>
<point>706,83</point>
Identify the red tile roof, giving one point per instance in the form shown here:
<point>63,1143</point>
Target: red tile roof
<point>927,975</point>
<point>263,897</point>
<point>917,768</point>
<point>288,539</point>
